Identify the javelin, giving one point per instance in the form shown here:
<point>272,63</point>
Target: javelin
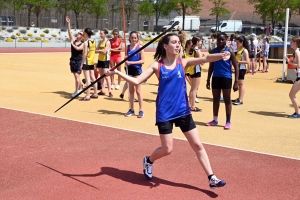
<point>112,69</point>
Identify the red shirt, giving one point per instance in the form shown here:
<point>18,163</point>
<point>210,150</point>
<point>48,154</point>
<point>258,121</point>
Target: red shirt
<point>115,44</point>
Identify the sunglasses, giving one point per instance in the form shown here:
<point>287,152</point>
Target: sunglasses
<point>80,33</point>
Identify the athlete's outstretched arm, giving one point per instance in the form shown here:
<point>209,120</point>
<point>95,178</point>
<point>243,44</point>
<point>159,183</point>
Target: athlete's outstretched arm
<point>141,78</point>
<point>69,29</point>
<point>209,58</point>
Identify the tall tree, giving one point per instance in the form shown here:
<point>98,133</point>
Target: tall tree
<point>39,5</point>
<point>157,8</point>
<point>97,8</point>
<point>294,6</point>
<point>270,10</point>
<point>79,7</point>
<point>187,7</point>
<point>25,5</point>
<point>63,6</point>
<point>218,10</point>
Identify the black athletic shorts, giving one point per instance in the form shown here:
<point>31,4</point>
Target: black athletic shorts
<point>221,83</point>
<point>132,71</point>
<point>103,64</point>
<point>197,72</point>
<point>185,123</point>
<point>251,54</point>
<point>242,73</point>
<point>88,67</point>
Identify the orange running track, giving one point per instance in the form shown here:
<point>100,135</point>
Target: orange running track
<point>50,158</point>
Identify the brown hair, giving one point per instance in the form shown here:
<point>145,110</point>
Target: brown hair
<point>296,39</point>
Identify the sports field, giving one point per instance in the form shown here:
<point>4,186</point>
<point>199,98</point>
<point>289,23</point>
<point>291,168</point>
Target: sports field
<point>89,150</point>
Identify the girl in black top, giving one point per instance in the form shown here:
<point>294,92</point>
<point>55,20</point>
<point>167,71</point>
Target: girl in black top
<point>76,57</point>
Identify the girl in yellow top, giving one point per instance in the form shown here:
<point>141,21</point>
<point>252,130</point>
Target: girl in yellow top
<point>103,49</point>
<point>193,72</point>
<point>87,65</point>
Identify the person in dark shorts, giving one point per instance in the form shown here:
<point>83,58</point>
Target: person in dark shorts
<point>242,58</point>
<point>103,49</point>
<point>222,81</point>
<point>76,56</point>
<point>134,69</point>
<point>172,105</point>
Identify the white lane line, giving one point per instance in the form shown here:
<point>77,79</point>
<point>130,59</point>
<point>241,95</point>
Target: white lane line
<point>149,133</point>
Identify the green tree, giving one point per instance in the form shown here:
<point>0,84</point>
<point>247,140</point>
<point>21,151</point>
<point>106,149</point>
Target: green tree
<point>294,6</point>
<point>25,5</point>
<point>79,7</point>
<point>39,5</point>
<point>97,8</point>
<point>270,10</point>
<point>187,7</point>
<point>63,6</point>
<point>157,8</point>
<point>218,10</point>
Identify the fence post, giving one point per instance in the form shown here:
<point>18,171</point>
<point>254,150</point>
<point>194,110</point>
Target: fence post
<point>16,43</point>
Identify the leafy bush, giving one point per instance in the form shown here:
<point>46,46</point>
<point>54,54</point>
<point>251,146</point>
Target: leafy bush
<point>3,28</point>
<point>25,38</point>
<point>21,40</point>
<point>63,30</point>
<point>54,35</point>
<point>143,33</point>
<point>42,35</point>
<point>45,40</point>
<point>28,28</point>
<point>29,34</point>
<point>15,27</point>
<point>38,38</point>
<point>158,32</point>
<point>13,37</point>
<point>33,40</point>
<point>153,33</point>
<point>46,31</point>
<point>10,30</point>
<point>23,31</point>
<point>9,40</point>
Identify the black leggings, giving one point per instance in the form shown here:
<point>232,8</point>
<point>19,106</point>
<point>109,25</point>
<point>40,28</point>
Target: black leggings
<point>216,100</point>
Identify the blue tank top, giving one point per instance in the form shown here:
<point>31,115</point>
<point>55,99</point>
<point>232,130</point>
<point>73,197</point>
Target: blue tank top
<point>136,57</point>
<point>172,101</point>
<point>222,68</point>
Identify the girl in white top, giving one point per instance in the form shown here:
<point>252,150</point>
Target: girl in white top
<point>242,57</point>
<point>265,54</point>
<point>295,44</point>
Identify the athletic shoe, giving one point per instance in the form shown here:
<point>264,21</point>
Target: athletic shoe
<point>141,114</point>
<point>117,87</point>
<point>121,96</point>
<point>135,100</point>
<point>197,100</point>
<point>147,168</point>
<point>129,113</point>
<point>235,100</point>
<point>74,94</point>
<point>212,123</point>
<point>221,99</point>
<point>295,115</point>
<point>110,95</point>
<point>227,126</point>
<point>238,102</point>
<point>112,87</point>
<point>214,182</point>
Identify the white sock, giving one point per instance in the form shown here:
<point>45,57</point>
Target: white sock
<point>216,118</point>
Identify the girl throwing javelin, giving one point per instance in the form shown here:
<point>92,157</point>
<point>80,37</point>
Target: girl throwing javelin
<point>295,44</point>
<point>172,106</point>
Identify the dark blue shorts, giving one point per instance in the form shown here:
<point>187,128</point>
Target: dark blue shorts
<point>75,66</point>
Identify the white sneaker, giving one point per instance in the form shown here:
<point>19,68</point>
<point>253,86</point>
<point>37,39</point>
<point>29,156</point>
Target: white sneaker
<point>147,168</point>
<point>117,87</point>
<point>112,87</point>
<point>214,182</point>
<point>197,100</point>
